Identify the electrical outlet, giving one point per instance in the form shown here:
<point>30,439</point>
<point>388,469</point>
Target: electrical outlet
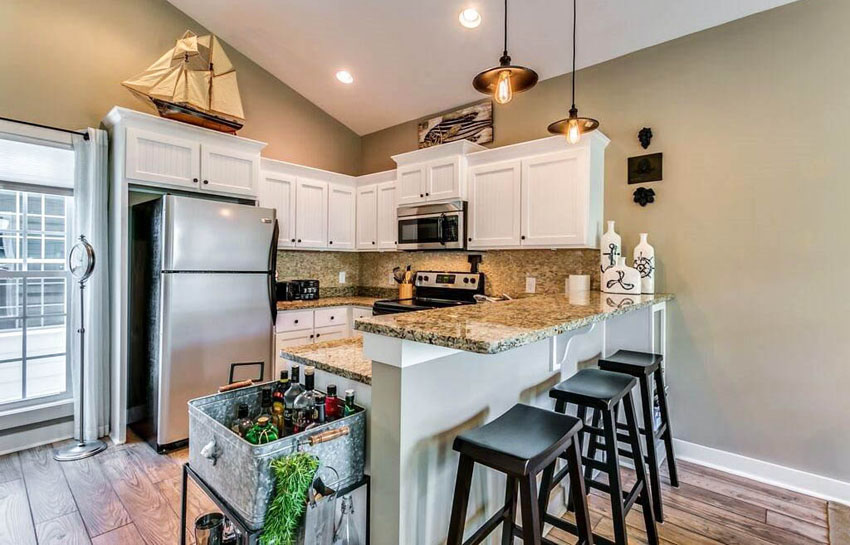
<point>390,279</point>
<point>342,277</point>
<point>530,284</point>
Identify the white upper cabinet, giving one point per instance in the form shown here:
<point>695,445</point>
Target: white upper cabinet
<point>442,180</point>
<point>159,152</point>
<point>311,219</point>
<point>554,199</point>
<point>433,174</point>
<point>494,205</point>
<point>387,224</point>
<point>341,217</point>
<point>367,217</point>
<point>278,191</point>
<point>411,185</point>
<point>224,170</point>
<point>544,193</point>
<point>162,159</point>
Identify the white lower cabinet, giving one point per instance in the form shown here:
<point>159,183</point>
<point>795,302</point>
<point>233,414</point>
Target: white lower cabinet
<point>341,217</point>
<point>331,333</point>
<point>300,327</point>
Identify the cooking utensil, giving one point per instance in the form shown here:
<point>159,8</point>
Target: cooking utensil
<point>398,274</point>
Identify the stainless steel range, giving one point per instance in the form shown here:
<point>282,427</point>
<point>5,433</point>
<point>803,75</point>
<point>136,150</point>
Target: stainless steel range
<point>436,289</point>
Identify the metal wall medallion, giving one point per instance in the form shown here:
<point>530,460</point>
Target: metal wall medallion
<point>645,168</point>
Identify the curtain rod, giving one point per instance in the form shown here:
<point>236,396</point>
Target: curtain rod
<point>85,135</point>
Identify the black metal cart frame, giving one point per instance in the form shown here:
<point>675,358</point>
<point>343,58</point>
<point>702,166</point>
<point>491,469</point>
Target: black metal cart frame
<point>251,537</point>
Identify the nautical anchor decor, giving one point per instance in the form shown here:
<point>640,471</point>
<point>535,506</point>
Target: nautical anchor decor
<point>610,248</point>
<point>621,279</point>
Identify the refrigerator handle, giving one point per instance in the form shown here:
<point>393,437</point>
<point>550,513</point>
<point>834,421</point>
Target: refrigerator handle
<point>272,270</point>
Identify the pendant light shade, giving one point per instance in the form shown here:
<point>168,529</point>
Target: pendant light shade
<point>505,80</point>
<point>574,126</point>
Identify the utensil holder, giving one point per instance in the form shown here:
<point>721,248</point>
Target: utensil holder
<point>405,291</point>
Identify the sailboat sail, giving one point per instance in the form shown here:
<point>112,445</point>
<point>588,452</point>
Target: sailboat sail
<point>195,75</point>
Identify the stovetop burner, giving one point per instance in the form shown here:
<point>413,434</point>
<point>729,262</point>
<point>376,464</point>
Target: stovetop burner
<point>436,289</point>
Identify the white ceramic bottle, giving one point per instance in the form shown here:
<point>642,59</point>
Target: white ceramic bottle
<point>610,248</point>
<point>644,262</point>
<point>621,279</point>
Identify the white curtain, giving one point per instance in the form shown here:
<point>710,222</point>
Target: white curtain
<point>91,187</point>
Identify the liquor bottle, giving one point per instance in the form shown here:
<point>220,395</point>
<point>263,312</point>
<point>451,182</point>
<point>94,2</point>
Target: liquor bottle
<point>349,403</point>
<point>304,406</point>
<point>280,388</point>
<point>241,424</point>
<point>277,418</point>
<point>289,396</point>
<point>333,404</point>
<point>262,432</point>
<point>321,415</point>
<point>346,533</point>
<point>265,404</point>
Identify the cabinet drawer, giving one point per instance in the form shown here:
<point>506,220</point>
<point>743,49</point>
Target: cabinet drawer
<point>359,312</point>
<point>294,320</point>
<point>331,333</point>
<point>331,317</point>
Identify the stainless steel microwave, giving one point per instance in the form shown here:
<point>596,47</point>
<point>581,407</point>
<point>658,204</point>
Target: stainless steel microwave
<point>432,226</point>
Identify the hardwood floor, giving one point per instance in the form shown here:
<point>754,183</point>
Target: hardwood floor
<point>129,495</point>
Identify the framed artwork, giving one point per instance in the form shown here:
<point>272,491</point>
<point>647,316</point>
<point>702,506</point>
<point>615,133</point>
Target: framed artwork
<point>645,168</point>
<point>474,123</point>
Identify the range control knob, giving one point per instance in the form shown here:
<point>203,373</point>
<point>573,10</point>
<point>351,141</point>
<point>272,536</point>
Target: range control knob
<point>419,278</point>
<point>472,280</point>
<point>426,279</point>
<point>466,280</point>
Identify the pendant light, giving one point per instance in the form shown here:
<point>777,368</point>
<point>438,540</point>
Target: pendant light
<point>506,79</point>
<point>574,126</point>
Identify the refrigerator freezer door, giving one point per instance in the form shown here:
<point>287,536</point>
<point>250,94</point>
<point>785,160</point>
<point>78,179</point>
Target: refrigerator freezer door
<point>204,235</point>
<point>209,321</point>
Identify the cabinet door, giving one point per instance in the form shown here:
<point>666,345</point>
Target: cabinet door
<point>494,205</point>
<point>411,184</point>
<point>278,191</point>
<point>341,220</point>
<point>554,199</point>
<point>443,180</point>
<point>311,214</point>
<point>367,217</point>
<point>161,159</point>
<point>226,171</point>
<point>387,221</point>
<point>331,333</point>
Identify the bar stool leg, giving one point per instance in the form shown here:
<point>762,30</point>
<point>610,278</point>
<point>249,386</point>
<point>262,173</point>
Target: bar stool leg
<point>652,457</point>
<point>640,471</point>
<point>578,495</point>
<point>667,436</point>
<point>510,516</point>
<point>531,532</point>
<point>612,462</point>
<point>460,501</point>
<point>581,414</point>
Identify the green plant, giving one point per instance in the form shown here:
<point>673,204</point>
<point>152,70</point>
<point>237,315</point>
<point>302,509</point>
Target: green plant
<point>293,477</point>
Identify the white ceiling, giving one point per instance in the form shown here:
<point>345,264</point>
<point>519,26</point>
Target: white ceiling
<point>411,58</point>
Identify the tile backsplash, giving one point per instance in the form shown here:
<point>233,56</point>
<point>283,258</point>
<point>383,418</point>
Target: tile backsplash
<point>505,270</point>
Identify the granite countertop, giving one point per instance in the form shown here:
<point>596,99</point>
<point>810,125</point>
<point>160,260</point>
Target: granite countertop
<point>489,328</point>
<point>353,300</point>
<point>343,357</point>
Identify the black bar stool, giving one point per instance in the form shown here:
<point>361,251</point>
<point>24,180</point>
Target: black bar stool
<point>520,444</point>
<point>604,392</point>
<point>642,366</point>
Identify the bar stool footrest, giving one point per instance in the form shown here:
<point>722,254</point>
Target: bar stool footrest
<point>569,527</point>
<point>485,530</point>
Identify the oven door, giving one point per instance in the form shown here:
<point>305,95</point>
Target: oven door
<point>441,231</point>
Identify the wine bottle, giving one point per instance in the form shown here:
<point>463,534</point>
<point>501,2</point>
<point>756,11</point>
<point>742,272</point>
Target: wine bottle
<point>332,404</point>
<point>241,424</point>
<point>289,396</point>
<point>304,406</point>
<point>349,403</point>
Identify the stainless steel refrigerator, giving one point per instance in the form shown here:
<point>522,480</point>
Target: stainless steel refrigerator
<point>202,307</point>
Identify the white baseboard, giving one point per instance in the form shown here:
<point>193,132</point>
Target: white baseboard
<point>766,472</point>
<point>34,437</point>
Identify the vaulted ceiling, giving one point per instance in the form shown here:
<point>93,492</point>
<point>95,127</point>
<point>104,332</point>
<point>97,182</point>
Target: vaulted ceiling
<point>411,58</point>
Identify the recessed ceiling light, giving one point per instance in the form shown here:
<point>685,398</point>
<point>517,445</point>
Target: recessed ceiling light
<point>470,18</point>
<point>345,76</point>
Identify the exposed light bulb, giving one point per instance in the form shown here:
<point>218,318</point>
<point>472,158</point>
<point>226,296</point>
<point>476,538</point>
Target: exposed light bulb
<point>573,132</point>
<point>504,92</point>
<point>470,18</point>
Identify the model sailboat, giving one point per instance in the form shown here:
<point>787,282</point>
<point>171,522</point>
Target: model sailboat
<point>193,82</point>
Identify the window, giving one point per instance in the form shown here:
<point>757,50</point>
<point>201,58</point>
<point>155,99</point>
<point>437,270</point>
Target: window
<point>34,295</point>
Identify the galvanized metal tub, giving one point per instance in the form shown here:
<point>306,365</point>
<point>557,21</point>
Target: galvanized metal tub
<point>240,472</point>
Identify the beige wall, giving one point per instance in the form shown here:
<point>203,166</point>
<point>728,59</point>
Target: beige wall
<point>749,224</point>
<point>62,63</point>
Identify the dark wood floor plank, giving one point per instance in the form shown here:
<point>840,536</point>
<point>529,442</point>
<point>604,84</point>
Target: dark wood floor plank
<point>839,524</point>
<point>10,467</point>
<point>16,526</point>
<point>793,524</point>
<point>97,502</point>
<point>49,495</point>
<point>64,530</point>
<point>126,535</point>
<point>791,503</point>
<point>151,514</point>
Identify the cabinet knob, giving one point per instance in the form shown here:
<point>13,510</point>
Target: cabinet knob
<point>299,240</point>
<point>469,239</point>
<point>293,240</point>
<point>296,321</point>
<point>421,195</point>
<point>427,194</point>
<point>373,242</point>
<point>330,242</point>
<point>194,180</point>
<point>332,317</point>
<point>522,237</point>
<point>206,182</point>
<point>317,335</point>
<point>311,336</point>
